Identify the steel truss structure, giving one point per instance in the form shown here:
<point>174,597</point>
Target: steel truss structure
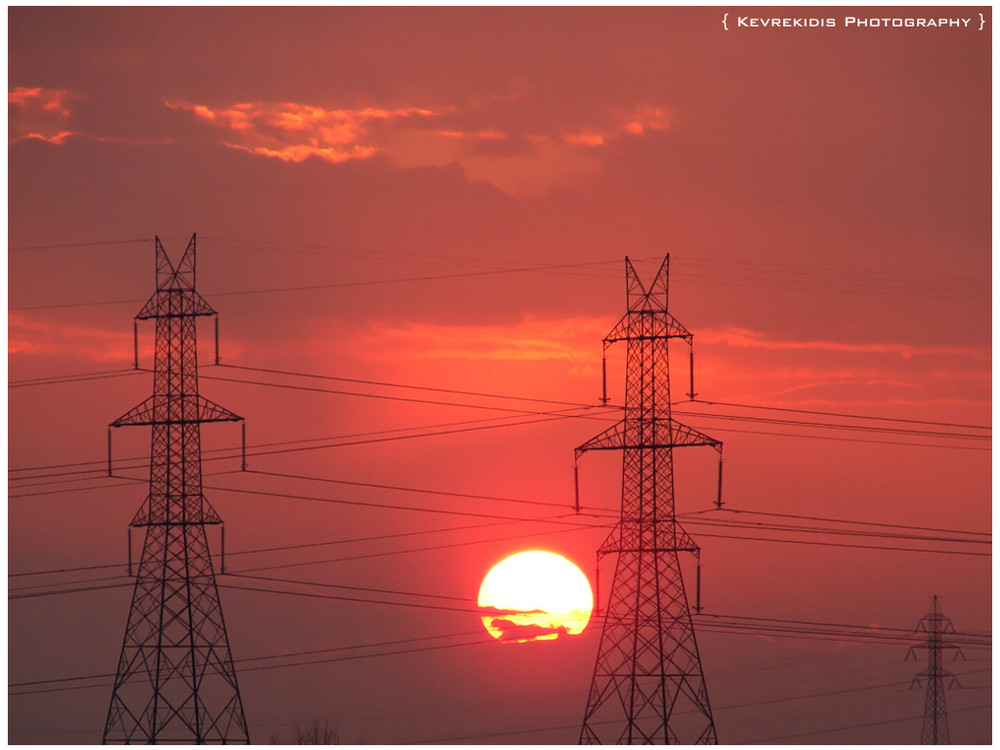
<point>176,682</point>
<point>935,727</point>
<point>648,685</point>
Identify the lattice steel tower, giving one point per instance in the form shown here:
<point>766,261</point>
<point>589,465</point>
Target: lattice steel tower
<point>176,682</point>
<point>648,685</point>
<point>936,626</point>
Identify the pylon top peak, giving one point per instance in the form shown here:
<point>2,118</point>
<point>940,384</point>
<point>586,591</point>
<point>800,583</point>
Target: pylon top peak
<point>175,294</point>
<point>652,299</point>
<point>181,276</point>
<point>935,621</point>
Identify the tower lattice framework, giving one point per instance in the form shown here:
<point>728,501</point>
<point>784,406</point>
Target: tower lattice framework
<point>648,685</point>
<point>176,682</point>
<point>935,679</point>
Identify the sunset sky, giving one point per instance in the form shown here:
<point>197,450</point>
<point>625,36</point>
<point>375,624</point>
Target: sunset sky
<point>413,223</point>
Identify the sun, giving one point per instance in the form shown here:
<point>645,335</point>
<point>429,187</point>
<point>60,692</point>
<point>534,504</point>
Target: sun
<point>535,596</point>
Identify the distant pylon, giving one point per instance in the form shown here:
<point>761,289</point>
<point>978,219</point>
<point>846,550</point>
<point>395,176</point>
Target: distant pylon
<point>936,626</point>
<point>648,685</point>
<point>176,682</point>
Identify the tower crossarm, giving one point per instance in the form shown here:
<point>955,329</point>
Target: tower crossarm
<point>175,303</point>
<point>653,324</point>
<point>671,537</point>
<point>163,410</point>
<point>665,433</point>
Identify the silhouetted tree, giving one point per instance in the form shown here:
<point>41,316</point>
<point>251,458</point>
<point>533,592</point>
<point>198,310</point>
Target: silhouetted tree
<point>316,734</point>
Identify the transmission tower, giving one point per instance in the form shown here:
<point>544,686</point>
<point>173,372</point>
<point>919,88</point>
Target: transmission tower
<point>936,626</point>
<point>648,685</point>
<point>176,682</point>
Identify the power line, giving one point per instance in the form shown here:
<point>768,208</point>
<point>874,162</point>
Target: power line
<point>581,404</point>
<point>855,726</point>
<point>480,641</point>
<point>586,406</point>
<point>838,414</point>
<point>361,381</point>
<point>509,519</point>
<point>69,591</point>
<point>731,417</point>
<point>338,442</point>
<point>419,490</point>
<point>336,285</point>
<point>284,548</point>
<point>79,377</point>
<point>505,733</point>
<point>838,520</point>
<point>394,398</point>
<point>720,522</point>
<point>847,546</point>
<point>79,244</point>
<point>771,433</point>
<point>423,490</point>
<point>833,426</point>
<point>408,386</point>
<point>733,523</point>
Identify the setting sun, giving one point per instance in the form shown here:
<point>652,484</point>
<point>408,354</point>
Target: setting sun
<point>535,596</point>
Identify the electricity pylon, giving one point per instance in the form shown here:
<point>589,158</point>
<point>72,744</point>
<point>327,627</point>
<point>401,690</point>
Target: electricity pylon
<point>176,682</point>
<point>936,626</point>
<point>648,685</point>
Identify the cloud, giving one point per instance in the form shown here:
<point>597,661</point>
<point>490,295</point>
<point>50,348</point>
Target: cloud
<point>294,132</point>
<point>40,113</point>
<point>569,340</point>
<point>519,164</point>
<point>32,337</point>
<point>512,631</point>
<point>753,339</point>
<point>643,118</point>
<point>545,164</point>
<point>744,365</point>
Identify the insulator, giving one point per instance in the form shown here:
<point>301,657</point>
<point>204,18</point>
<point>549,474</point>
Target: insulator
<point>243,465</point>
<point>130,550</point>
<point>691,393</point>
<point>217,358</point>
<point>718,496</point>
<point>697,588</point>
<point>222,530</point>
<point>576,484</point>
<point>135,344</point>
<point>109,452</point>
<point>604,379</point>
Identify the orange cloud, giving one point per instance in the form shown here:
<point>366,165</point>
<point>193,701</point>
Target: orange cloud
<point>569,339</point>
<point>745,338</point>
<point>28,336</point>
<point>644,117</point>
<point>485,135</point>
<point>294,132</point>
<point>39,113</point>
<point>528,164</point>
<point>750,366</point>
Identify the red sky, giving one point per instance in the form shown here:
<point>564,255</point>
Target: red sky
<point>443,198</point>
